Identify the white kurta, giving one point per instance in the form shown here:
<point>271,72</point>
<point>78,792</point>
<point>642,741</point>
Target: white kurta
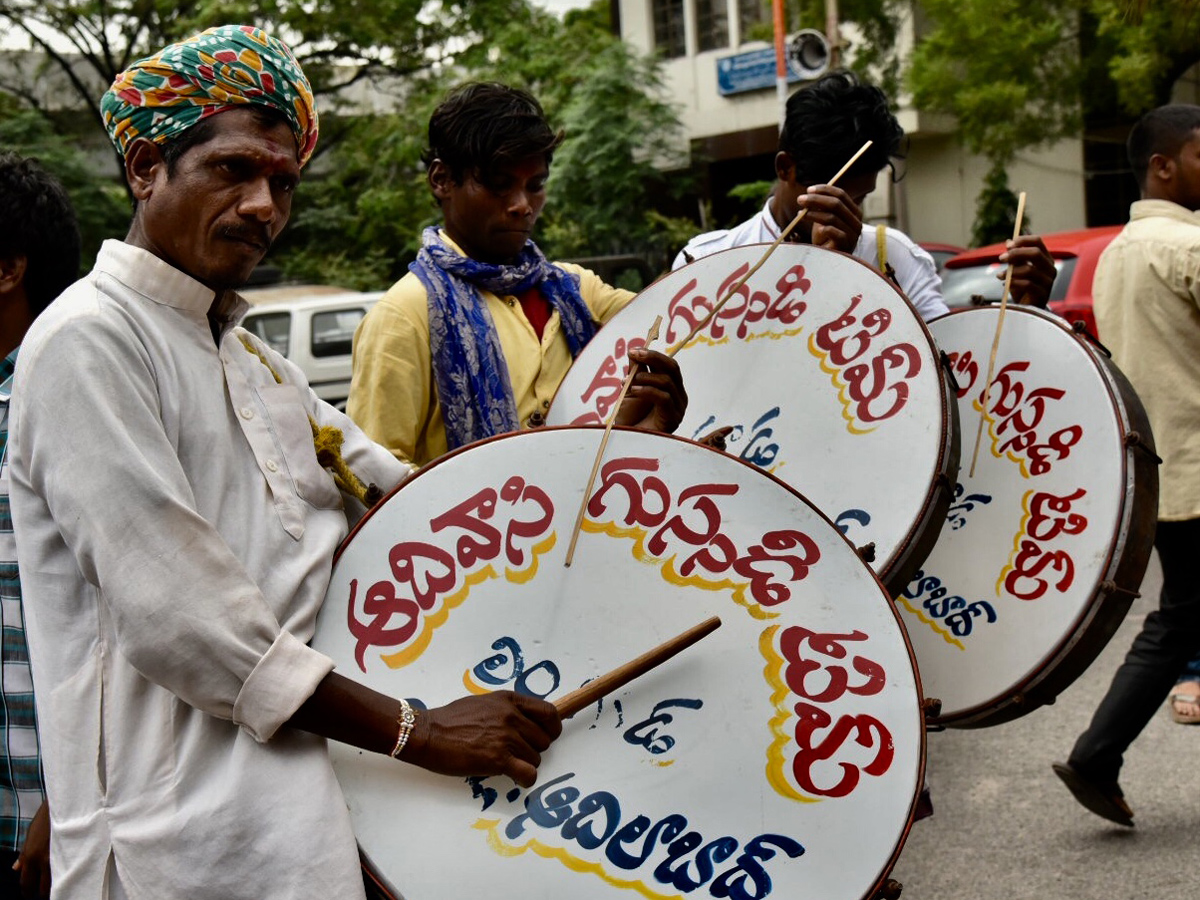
<point>916,272</point>
<point>176,532</point>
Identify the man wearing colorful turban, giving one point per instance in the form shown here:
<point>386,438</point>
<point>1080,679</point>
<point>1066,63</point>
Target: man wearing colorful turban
<point>176,527</point>
<point>224,68</point>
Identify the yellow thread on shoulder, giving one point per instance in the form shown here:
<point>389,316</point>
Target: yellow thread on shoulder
<point>491,827</point>
<point>327,443</point>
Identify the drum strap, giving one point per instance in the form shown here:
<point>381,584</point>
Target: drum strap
<point>881,251</point>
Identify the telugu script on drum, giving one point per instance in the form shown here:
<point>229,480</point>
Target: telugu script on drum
<point>821,368</point>
<point>719,774</point>
<point>1029,539</point>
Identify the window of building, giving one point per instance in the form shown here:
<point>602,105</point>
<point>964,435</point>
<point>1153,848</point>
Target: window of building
<point>669,37</point>
<point>754,18</point>
<point>712,24</point>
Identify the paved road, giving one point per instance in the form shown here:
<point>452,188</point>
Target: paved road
<point>1004,827</point>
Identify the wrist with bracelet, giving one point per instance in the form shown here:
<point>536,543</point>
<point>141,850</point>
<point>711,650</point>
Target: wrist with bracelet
<point>405,720</point>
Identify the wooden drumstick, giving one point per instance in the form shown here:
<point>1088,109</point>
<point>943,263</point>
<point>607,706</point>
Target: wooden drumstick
<point>585,696</point>
<point>651,336</point>
<point>758,265</point>
<point>987,384</point>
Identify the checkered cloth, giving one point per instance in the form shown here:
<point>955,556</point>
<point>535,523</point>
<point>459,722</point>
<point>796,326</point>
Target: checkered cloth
<point>21,787</point>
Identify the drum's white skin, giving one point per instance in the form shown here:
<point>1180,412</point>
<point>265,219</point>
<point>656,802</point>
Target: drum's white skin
<point>825,369</point>
<point>710,737</point>
<point>1027,539</point>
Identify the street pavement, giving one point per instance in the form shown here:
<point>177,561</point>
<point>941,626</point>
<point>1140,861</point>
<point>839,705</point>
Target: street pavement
<point>1005,828</point>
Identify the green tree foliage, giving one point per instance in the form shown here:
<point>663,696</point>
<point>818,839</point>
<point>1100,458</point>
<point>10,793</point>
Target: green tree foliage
<point>996,210</point>
<point>100,205</point>
<point>1025,73</point>
<point>360,213</point>
<point>1008,70</point>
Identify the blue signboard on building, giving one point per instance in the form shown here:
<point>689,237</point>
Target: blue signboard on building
<point>750,71</point>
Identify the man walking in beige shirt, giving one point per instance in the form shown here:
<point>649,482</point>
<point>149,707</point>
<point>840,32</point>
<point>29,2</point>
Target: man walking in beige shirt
<point>1147,303</point>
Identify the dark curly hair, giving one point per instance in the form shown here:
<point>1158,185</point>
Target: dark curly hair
<point>828,121</point>
<point>483,125</point>
<point>38,222</point>
<point>1164,130</point>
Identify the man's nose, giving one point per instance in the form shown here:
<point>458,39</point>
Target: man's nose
<point>520,204</point>
<point>258,201</point>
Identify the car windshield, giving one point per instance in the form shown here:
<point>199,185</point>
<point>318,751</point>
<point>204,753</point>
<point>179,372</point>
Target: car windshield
<point>977,284</point>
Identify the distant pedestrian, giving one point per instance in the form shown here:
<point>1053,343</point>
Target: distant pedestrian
<point>1147,303</point>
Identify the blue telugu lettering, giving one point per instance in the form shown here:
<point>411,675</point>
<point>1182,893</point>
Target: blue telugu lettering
<point>690,862</point>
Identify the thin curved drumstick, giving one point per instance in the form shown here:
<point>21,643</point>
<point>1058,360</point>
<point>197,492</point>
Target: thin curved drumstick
<point>585,696</point>
<point>758,265</point>
<point>651,336</point>
<point>987,384</point>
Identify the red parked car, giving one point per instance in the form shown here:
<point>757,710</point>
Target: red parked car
<point>970,278</point>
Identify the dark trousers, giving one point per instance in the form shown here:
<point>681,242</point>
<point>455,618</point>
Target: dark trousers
<point>1169,638</point>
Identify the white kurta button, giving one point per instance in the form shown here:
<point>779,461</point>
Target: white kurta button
<point>272,466</point>
<point>247,412</point>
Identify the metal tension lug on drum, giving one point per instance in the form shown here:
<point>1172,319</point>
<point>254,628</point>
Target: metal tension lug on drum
<point>1134,439</point>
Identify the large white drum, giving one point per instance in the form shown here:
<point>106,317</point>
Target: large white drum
<point>1045,546</point>
<point>779,757</point>
<point>827,373</point>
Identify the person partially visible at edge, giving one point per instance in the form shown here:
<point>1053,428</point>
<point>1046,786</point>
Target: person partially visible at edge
<point>1147,304</point>
<point>176,527</point>
<point>825,125</point>
<point>474,340</point>
<point>39,258</point>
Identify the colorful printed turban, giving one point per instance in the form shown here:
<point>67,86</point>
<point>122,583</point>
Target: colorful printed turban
<point>163,95</point>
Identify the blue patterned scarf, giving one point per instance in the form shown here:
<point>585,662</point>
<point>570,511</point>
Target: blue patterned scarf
<point>468,364</point>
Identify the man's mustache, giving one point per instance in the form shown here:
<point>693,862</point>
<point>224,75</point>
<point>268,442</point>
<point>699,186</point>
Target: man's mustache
<point>249,234</point>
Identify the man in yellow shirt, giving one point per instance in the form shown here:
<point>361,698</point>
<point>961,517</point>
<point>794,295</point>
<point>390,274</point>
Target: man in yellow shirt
<point>1147,300</point>
<point>476,338</point>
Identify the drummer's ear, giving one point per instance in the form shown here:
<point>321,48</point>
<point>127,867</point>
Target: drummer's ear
<point>785,167</point>
<point>1161,167</point>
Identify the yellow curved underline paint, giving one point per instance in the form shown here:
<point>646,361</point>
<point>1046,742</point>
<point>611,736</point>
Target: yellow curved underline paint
<point>835,377</point>
<point>776,762</point>
<point>1012,559</point>
<point>491,828</point>
<point>1021,462</point>
<point>522,576</point>
<point>703,338</point>
<point>932,624</point>
<point>670,573</point>
<point>431,623</point>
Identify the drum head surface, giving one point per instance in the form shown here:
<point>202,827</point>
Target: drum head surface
<point>1012,581</point>
<point>827,373</point>
<point>779,756</point>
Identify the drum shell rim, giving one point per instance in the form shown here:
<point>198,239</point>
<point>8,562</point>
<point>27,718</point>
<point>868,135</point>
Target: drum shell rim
<point>1125,562</point>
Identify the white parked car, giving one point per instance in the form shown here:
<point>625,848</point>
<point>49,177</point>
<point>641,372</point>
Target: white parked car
<point>312,327</point>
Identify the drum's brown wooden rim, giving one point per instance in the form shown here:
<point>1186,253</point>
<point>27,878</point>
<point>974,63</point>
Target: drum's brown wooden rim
<point>373,875</point>
<point>1125,562</point>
